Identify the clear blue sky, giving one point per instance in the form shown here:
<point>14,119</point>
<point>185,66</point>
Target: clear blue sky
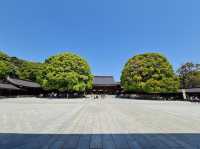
<point>105,32</point>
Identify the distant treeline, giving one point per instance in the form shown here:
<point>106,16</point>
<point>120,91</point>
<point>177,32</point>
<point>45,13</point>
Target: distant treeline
<point>149,73</point>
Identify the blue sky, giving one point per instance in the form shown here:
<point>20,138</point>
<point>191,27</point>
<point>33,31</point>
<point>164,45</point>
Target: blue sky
<point>105,32</point>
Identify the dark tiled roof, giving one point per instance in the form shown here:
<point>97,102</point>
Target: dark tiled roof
<point>23,83</point>
<point>191,90</point>
<point>104,81</point>
<point>8,86</point>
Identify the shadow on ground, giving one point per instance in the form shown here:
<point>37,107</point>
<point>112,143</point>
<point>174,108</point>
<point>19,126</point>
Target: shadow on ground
<point>99,141</point>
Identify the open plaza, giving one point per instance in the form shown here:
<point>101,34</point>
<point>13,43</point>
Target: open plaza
<point>99,74</point>
<point>60,104</point>
<point>109,123</point>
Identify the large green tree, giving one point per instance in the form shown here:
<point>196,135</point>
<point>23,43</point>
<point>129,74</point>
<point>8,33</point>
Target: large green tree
<point>66,72</point>
<point>16,62</point>
<point>194,80</point>
<point>150,73</point>
<point>6,67</point>
<point>3,56</point>
<point>29,71</point>
<point>13,66</point>
<point>189,74</point>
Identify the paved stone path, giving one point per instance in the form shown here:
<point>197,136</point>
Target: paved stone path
<point>111,123</point>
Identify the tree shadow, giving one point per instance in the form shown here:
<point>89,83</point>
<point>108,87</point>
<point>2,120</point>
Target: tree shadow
<point>100,141</point>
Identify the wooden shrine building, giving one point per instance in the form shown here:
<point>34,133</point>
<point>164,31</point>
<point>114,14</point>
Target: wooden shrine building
<point>191,92</point>
<point>7,89</point>
<point>29,86</point>
<point>15,87</point>
<point>105,85</point>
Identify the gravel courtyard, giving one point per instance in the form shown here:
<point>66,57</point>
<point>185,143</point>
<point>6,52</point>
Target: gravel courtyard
<point>110,123</point>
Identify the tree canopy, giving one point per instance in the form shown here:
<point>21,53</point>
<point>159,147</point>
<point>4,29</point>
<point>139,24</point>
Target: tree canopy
<point>29,71</point>
<point>189,74</point>
<point>66,72</point>
<point>3,56</point>
<point>13,66</point>
<point>6,67</point>
<point>194,80</point>
<point>150,73</point>
<point>63,72</point>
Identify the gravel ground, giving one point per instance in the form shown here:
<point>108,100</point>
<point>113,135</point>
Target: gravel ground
<point>33,123</point>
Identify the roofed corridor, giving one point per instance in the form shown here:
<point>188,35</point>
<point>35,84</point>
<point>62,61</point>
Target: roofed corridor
<point>110,123</point>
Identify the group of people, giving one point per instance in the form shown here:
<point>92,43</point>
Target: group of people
<point>101,96</point>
